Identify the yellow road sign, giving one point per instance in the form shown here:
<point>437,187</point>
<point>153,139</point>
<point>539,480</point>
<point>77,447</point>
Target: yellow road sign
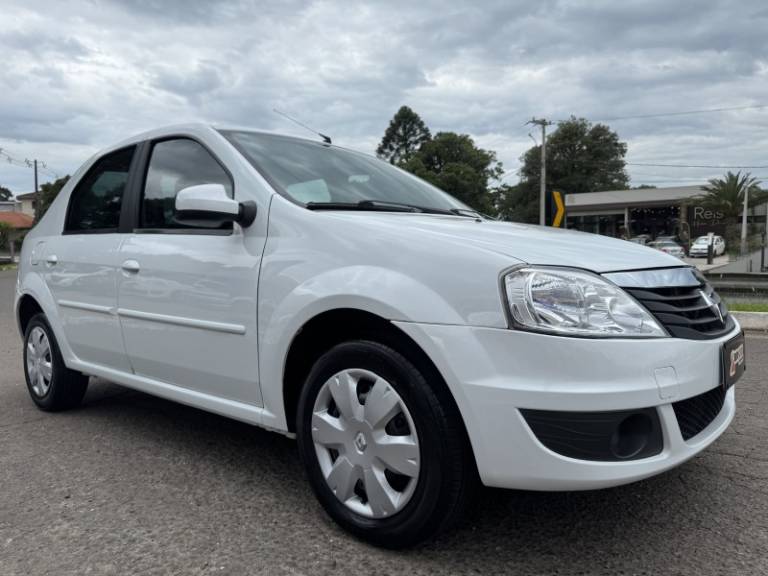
<point>560,212</point>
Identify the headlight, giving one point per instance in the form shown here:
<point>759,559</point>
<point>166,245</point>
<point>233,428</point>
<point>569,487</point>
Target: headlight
<point>576,303</point>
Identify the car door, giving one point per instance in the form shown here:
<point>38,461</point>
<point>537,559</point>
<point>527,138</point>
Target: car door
<point>80,265</point>
<point>187,292</point>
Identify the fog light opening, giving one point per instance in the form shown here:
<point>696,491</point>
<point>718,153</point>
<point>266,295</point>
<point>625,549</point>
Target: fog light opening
<point>631,436</point>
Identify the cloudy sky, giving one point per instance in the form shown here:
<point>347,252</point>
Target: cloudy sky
<point>80,75</point>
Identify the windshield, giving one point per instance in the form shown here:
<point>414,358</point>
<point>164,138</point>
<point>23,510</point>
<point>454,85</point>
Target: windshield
<point>317,173</point>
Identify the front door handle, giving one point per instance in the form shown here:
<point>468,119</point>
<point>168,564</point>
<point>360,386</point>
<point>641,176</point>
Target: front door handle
<point>131,266</point>
<point>51,260</point>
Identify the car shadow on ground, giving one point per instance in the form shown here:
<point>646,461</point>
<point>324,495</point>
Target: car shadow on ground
<point>605,529</point>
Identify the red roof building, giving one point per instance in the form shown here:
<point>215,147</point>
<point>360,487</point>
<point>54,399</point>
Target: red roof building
<point>17,220</point>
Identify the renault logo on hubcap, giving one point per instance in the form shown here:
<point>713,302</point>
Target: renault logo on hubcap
<point>360,442</point>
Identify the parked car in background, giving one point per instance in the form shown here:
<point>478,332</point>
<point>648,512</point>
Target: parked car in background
<point>668,247</point>
<point>699,246</point>
<point>672,238</point>
<point>641,239</point>
<point>410,345</point>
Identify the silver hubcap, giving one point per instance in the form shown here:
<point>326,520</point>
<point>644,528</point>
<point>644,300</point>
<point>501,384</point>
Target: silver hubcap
<point>39,361</point>
<point>366,443</point>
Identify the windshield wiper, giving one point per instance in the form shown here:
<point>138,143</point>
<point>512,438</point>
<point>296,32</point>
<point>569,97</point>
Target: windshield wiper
<point>387,206</point>
<point>374,205</point>
<point>468,212</point>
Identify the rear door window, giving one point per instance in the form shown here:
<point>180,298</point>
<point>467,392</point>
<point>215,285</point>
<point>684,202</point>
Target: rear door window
<point>97,200</point>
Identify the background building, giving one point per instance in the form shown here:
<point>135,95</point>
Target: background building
<point>28,202</point>
<point>652,211</point>
<point>15,223</point>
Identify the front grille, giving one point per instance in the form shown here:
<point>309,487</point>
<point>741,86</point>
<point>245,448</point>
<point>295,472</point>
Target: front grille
<point>695,414</point>
<point>687,311</point>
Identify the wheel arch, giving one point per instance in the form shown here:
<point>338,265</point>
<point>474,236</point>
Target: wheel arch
<point>331,327</point>
<point>26,309</point>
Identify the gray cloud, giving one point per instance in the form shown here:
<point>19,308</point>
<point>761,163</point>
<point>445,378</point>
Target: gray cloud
<point>80,75</point>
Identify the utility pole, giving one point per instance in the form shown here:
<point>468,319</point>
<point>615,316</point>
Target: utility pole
<point>743,248</point>
<point>33,164</point>
<point>543,183</point>
<point>37,195</point>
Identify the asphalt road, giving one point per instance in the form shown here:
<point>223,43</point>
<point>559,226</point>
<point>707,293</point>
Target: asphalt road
<point>130,484</point>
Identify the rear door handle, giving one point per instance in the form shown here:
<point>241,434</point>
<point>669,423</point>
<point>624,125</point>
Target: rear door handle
<point>51,260</point>
<point>131,266</point>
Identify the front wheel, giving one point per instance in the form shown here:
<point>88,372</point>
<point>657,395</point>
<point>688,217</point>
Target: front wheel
<point>384,449</point>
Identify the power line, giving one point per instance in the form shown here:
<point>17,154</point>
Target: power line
<point>11,160</point>
<point>681,113</point>
<point>636,176</point>
<point>719,166</point>
<point>616,162</point>
<point>602,162</point>
<point>26,163</point>
<point>36,165</point>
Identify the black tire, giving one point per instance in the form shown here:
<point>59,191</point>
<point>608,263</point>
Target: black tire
<point>447,478</point>
<point>67,387</point>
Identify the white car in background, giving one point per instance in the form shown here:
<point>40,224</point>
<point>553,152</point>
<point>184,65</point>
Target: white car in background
<point>409,344</point>
<point>668,247</point>
<point>700,245</point>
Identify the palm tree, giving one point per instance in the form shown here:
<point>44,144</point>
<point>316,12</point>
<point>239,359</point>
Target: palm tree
<point>726,195</point>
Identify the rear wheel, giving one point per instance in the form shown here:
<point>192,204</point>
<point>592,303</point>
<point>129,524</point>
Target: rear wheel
<point>385,452</point>
<point>51,384</point>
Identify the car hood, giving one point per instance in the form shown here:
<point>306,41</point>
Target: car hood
<point>526,243</point>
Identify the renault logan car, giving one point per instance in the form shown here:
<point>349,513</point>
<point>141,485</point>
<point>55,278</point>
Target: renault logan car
<point>411,345</point>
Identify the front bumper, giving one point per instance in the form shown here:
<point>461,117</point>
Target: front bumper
<point>494,373</point>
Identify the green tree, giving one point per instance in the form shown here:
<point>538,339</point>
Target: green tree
<point>404,135</point>
<point>518,203</point>
<point>48,193</point>
<point>581,157</point>
<point>453,163</point>
<point>5,194</point>
<point>7,239</point>
<point>726,195</point>
<point>5,228</point>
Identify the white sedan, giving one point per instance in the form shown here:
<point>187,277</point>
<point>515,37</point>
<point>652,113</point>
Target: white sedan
<point>409,344</point>
<point>701,244</point>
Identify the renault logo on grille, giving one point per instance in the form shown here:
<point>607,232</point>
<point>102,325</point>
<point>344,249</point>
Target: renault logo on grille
<point>712,306</point>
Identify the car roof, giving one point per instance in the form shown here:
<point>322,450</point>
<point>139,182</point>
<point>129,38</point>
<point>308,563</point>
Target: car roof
<point>198,128</point>
<point>202,130</point>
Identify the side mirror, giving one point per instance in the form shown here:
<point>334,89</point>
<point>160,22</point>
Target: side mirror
<point>210,203</point>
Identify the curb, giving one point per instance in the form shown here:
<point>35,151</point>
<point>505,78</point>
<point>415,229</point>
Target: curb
<point>752,320</point>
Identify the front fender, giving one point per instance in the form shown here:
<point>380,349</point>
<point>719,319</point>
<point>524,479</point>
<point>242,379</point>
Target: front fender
<point>385,293</point>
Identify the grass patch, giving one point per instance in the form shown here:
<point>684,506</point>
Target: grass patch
<point>4,267</point>
<point>748,306</point>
